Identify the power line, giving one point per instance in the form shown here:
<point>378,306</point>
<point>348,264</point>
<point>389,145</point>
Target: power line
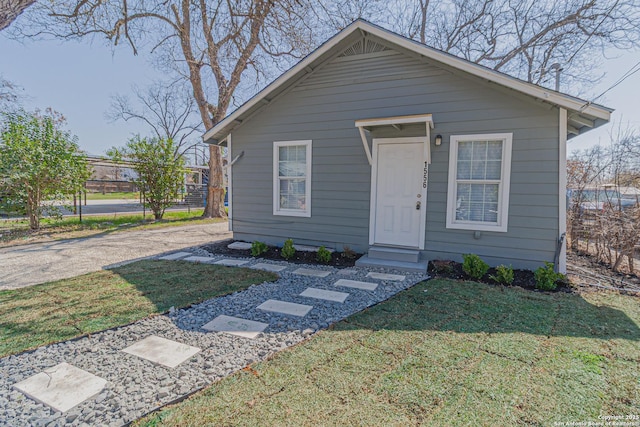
<point>630,72</point>
<point>634,69</point>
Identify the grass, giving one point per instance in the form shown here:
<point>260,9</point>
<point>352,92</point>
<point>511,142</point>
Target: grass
<point>65,309</point>
<point>15,232</point>
<point>111,196</point>
<point>443,353</point>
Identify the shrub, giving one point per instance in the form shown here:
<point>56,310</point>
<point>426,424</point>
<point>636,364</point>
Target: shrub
<point>442,266</point>
<point>258,248</point>
<point>348,253</point>
<point>546,278</point>
<point>288,251</point>
<point>503,275</point>
<point>474,267</point>
<point>323,255</point>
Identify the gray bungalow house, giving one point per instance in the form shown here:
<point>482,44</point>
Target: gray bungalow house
<point>407,153</point>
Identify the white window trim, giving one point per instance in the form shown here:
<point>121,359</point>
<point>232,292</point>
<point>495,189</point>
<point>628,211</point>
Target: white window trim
<point>276,180</point>
<point>503,192</point>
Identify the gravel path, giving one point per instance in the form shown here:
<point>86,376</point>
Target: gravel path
<point>31,264</point>
<point>136,386</point>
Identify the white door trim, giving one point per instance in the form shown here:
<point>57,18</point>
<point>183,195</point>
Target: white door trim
<point>374,185</point>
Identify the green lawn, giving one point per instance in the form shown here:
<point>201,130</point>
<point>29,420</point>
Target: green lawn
<point>111,196</point>
<point>57,311</point>
<point>15,231</point>
<point>443,353</point>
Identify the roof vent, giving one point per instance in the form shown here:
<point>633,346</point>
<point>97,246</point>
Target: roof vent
<point>363,46</point>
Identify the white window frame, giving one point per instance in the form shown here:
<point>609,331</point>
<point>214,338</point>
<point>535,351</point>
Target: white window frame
<point>277,210</point>
<point>503,189</point>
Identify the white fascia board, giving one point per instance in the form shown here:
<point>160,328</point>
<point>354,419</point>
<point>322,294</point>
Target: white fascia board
<point>400,120</point>
<point>559,99</point>
<point>300,67</point>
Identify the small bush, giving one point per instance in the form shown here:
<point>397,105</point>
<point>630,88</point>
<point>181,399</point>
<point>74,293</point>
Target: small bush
<point>474,266</point>
<point>504,275</point>
<point>288,251</point>
<point>323,255</point>
<point>442,266</point>
<point>348,253</point>
<point>546,278</point>
<point>258,248</point>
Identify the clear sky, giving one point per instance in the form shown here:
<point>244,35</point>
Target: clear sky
<point>77,79</point>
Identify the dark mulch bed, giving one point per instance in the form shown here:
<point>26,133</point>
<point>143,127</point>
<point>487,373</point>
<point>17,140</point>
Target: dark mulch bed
<point>453,270</point>
<point>338,259</point>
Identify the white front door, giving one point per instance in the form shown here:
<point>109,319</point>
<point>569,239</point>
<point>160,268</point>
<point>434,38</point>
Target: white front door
<point>398,192</point>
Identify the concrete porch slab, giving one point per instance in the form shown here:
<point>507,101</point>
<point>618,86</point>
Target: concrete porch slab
<point>162,351</point>
<point>231,262</point>
<point>268,267</point>
<point>175,256</point>
<point>367,286</point>
<point>62,387</point>
<point>284,307</point>
<point>236,326</point>
<point>311,272</point>
<point>324,294</point>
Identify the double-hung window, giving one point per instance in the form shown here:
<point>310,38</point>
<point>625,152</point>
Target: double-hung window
<point>479,172</point>
<point>292,178</point>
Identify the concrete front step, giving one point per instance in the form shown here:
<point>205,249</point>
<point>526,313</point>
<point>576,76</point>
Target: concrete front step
<point>367,261</point>
<point>394,254</point>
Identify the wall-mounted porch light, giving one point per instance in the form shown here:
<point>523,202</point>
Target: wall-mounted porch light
<point>438,140</point>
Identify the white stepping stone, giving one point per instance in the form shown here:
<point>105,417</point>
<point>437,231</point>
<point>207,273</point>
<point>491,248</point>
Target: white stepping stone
<point>236,326</point>
<point>243,246</point>
<point>284,307</point>
<point>268,267</point>
<point>324,294</point>
<point>177,255</point>
<point>346,272</point>
<point>201,259</point>
<point>311,272</point>
<point>231,262</point>
<point>162,351</point>
<point>62,387</point>
<point>385,276</point>
<point>367,286</point>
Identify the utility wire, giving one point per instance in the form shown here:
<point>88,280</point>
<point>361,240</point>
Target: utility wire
<point>630,72</point>
<point>634,69</point>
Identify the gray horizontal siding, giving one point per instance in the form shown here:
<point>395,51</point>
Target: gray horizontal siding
<point>323,108</point>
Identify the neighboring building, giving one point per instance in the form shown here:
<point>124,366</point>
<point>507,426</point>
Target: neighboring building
<point>382,144</point>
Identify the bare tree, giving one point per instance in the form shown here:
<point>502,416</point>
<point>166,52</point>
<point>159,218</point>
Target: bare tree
<point>9,97</point>
<point>11,9</point>
<point>603,221</point>
<point>523,38</point>
<point>211,44</point>
<point>167,108</point>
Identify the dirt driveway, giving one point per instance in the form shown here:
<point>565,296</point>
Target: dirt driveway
<point>43,262</point>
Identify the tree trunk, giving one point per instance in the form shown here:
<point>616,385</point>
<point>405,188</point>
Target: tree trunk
<point>32,210</point>
<point>11,9</point>
<point>215,189</point>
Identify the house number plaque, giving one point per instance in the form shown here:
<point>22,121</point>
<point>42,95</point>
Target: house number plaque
<point>425,175</point>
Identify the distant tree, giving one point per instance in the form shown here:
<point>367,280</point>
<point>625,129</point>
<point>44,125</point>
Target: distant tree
<point>39,163</point>
<point>167,108</point>
<point>211,45</point>
<point>160,172</point>
<point>9,97</point>
<point>11,9</point>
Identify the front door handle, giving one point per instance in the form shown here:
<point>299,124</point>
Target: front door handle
<point>418,205</point>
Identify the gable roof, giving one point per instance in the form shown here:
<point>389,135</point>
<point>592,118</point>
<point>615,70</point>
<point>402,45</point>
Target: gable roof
<point>581,115</point>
